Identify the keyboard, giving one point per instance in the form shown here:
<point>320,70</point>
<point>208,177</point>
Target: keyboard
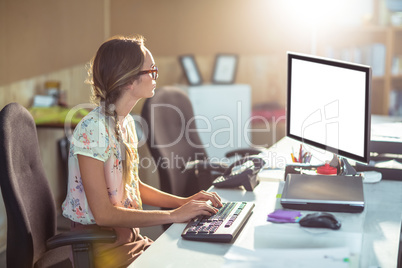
<point>224,226</point>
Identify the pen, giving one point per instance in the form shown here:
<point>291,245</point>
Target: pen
<point>309,157</point>
<point>305,157</point>
<point>300,153</point>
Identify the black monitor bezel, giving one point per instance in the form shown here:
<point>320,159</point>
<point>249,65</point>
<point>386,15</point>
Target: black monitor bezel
<point>347,65</point>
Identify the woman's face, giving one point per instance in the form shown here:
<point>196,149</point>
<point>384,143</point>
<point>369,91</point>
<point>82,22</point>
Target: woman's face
<point>144,87</point>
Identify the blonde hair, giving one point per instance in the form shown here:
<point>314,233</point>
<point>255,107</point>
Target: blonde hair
<point>116,65</point>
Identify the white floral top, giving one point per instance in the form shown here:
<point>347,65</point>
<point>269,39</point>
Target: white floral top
<point>95,137</point>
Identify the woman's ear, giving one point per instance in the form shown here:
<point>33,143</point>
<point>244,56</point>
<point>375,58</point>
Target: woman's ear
<point>136,82</point>
<point>132,85</point>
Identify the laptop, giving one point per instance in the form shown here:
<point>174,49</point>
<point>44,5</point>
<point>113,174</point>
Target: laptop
<point>323,193</point>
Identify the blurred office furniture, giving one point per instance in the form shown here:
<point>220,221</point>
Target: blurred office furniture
<point>63,150</point>
<point>173,139</point>
<point>30,207</point>
<point>222,115</point>
<point>385,147</point>
<point>377,46</point>
<point>268,121</point>
<point>54,126</point>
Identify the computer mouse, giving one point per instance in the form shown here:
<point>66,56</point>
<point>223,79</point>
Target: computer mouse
<point>320,220</point>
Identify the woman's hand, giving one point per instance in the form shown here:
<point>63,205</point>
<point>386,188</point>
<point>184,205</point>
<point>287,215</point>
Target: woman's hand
<point>201,203</point>
<point>206,196</point>
<point>192,209</point>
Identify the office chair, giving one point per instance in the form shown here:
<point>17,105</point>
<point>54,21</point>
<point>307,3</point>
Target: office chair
<point>30,207</point>
<point>63,150</point>
<point>181,159</point>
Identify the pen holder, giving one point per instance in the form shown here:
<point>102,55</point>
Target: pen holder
<point>303,156</point>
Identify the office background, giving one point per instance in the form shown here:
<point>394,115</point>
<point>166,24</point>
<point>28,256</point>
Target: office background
<point>45,40</point>
<point>41,38</point>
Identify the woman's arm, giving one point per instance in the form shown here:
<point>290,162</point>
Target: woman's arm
<point>154,197</point>
<point>105,214</point>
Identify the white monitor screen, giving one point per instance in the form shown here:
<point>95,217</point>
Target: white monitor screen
<point>329,105</point>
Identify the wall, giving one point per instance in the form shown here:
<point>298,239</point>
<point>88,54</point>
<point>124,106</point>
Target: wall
<point>39,37</point>
<point>43,36</point>
<point>207,27</point>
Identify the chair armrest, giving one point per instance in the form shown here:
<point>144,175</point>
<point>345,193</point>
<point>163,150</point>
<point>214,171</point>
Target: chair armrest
<point>81,236</point>
<point>245,152</point>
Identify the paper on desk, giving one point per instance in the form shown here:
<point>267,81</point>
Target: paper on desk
<point>389,164</point>
<point>238,257</point>
<point>271,174</point>
<point>387,131</point>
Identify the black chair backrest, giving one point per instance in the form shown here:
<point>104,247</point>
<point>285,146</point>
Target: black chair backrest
<point>172,139</point>
<point>31,213</point>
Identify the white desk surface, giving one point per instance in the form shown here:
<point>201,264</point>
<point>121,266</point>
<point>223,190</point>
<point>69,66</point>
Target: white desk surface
<point>371,237</point>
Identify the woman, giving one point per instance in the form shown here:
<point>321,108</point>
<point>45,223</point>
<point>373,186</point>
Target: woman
<point>104,189</point>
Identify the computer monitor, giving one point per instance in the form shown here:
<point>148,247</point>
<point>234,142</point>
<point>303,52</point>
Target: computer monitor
<point>328,105</point>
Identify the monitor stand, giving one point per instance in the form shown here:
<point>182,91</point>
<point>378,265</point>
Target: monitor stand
<point>343,166</point>
<point>346,167</point>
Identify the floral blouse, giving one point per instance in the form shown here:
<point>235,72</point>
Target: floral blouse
<point>95,137</point>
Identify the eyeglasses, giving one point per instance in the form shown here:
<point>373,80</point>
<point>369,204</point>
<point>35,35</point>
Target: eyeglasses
<point>153,72</point>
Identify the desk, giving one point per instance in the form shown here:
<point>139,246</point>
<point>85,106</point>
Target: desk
<point>372,236</point>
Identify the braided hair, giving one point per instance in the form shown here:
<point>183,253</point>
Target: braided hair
<point>115,66</point>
